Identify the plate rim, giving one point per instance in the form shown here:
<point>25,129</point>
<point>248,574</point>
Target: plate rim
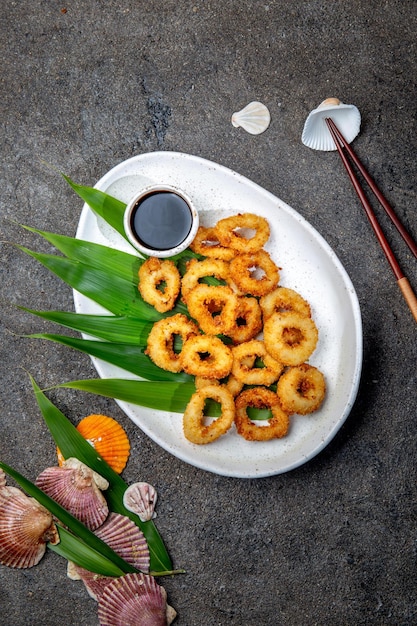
<point>106,180</point>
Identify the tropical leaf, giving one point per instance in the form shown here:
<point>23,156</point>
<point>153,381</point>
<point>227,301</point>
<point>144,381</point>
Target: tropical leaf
<point>129,357</point>
<point>72,444</point>
<point>115,328</point>
<point>169,396</point>
<point>95,255</point>
<point>112,291</point>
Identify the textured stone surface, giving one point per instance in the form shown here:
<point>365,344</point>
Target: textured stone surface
<point>85,85</point>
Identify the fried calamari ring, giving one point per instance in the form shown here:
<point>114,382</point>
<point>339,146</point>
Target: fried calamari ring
<point>283,300</point>
<point>159,283</point>
<point>290,338</point>
<point>201,269</point>
<point>260,398</point>
<point>160,345</point>
<point>248,321</point>
<point>254,273</point>
<point>249,374</point>
<point>234,385</point>
<point>206,356</point>
<point>301,389</point>
<point>201,381</point>
<point>206,242</point>
<point>214,308</point>
<point>244,232</point>
<point>195,430</point>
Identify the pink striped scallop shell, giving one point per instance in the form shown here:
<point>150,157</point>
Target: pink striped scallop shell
<point>140,498</point>
<point>25,528</point>
<point>127,540</point>
<point>134,599</point>
<point>78,489</point>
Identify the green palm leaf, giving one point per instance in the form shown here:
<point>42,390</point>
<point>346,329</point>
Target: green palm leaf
<point>95,255</point>
<point>169,396</point>
<point>114,293</point>
<point>110,290</point>
<point>127,356</point>
<point>108,327</point>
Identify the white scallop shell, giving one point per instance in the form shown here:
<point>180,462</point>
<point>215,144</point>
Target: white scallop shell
<point>254,118</point>
<point>140,498</point>
<point>316,134</point>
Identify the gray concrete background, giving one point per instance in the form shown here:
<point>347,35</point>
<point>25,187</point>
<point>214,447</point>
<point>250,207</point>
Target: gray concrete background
<point>85,85</point>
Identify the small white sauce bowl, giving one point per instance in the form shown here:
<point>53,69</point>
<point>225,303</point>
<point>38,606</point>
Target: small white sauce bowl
<point>134,237</point>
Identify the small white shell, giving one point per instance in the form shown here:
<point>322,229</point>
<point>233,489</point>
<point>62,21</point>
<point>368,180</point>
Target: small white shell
<point>140,498</point>
<point>316,134</point>
<point>254,118</point>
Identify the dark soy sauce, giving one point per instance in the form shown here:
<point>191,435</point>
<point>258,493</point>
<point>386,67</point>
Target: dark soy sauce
<point>161,220</point>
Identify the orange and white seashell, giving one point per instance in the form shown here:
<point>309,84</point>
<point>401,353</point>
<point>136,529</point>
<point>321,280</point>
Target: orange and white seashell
<point>254,118</point>
<point>127,540</point>
<point>106,436</point>
<point>347,118</point>
<point>134,599</point>
<point>140,498</point>
<point>78,489</point>
<point>25,529</point>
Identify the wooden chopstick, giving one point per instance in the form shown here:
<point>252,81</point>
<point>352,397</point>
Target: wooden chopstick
<point>372,184</point>
<point>402,281</point>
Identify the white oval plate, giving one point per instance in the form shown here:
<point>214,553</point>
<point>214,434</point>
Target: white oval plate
<point>308,265</point>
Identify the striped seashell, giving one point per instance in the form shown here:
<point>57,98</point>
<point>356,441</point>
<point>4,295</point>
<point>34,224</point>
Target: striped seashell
<point>134,599</point>
<point>127,540</point>
<point>25,528</point>
<point>78,489</point>
<point>140,498</point>
<point>347,118</point>
<point>254,118</point>
<point>107,437</point>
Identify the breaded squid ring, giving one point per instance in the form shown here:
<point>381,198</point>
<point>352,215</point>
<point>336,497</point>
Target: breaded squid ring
<point>160,345</point>
<point>214,308</point>
<point>290,338</point>
<point>249,374</point>
<point>195,430</point>
<point>301,389</point>
<point>248,321</point>
<point>201,269</point>
<point>159,283</point>
<point>254,273</point>
<point>206,242</point>
<point>260,398</point>
<point>284,300</point>
<point>206,356</point>
<point>233,232</point>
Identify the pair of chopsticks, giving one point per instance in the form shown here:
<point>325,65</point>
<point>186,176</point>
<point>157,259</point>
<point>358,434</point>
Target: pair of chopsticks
<point>343,147</point>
